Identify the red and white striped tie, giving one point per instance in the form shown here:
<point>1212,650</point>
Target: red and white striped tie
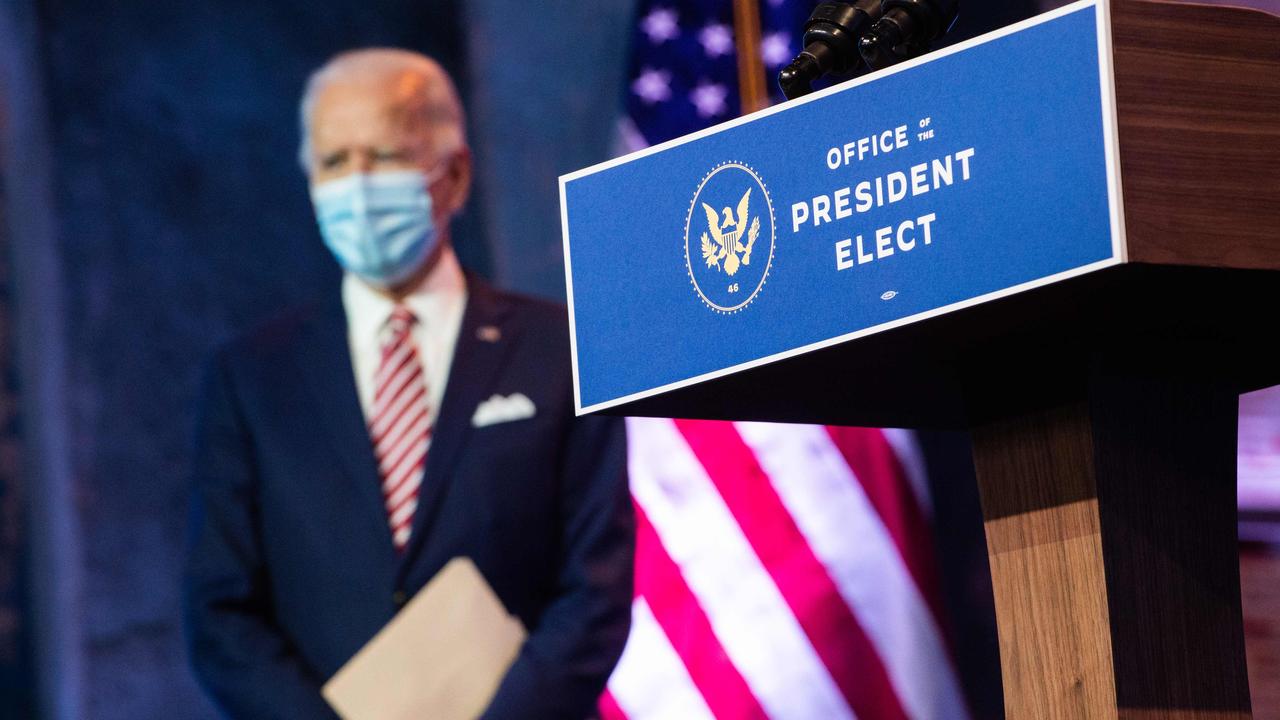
<point>400,425</point>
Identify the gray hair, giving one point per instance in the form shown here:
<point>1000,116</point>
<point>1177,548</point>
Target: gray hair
<point>442,108</point>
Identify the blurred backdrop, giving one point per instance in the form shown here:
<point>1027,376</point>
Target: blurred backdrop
<point>151,203</point>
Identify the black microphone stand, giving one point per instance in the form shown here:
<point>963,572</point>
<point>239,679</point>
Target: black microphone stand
<point>906,29</point>
<point>839,37</point>
<point>830,44</point>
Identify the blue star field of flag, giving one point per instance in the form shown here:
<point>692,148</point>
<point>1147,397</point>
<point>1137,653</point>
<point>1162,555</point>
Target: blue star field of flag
<point>684,62</point>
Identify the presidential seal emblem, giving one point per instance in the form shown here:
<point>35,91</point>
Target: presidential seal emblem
<point>729,237</point>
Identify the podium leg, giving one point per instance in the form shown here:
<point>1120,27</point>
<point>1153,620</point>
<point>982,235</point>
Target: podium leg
<point>1111,529</point>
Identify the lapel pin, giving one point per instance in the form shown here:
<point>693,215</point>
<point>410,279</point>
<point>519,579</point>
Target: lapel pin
<point>488,333</point>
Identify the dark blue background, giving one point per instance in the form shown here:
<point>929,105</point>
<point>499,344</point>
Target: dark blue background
<point>177,214</point>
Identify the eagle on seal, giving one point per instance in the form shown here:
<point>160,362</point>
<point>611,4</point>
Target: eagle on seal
<point>725,243</point>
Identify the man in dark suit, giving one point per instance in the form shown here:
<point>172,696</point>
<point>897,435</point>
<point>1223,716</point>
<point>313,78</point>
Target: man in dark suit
<point>347,450</point>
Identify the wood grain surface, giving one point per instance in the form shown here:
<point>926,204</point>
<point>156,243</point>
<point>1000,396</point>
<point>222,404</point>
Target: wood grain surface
<point>1110,519</point>
<point>1036,477</point>
<point>1198,105</point>
<point>1260,592</point>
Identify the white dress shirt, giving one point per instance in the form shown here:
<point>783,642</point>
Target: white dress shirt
<point>437,303</point>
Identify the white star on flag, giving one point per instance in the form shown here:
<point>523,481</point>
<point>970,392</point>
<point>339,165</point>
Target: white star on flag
<point>716,40</point>
<point>775,48</point>
<point>661,25</point>
<point>709,98</point>
<point>653,86</point>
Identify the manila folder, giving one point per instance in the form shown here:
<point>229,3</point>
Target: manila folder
<point>441,657</point>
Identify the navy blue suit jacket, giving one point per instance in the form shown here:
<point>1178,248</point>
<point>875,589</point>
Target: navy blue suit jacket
<point>291,567</point>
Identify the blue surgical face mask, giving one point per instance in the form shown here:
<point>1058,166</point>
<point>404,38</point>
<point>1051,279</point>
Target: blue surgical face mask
<point>378,225</point>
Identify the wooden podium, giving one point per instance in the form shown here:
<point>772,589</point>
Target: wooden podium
<point>1103,407</point>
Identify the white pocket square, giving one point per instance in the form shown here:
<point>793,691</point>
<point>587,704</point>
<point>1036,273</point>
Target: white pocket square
<point>500,409</point>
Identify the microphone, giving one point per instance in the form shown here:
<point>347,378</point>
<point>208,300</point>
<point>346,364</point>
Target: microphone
<point>830,44</point>
<point>905,30</point>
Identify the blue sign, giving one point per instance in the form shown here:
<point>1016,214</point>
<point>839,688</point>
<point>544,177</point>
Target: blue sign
<point>978,171</point>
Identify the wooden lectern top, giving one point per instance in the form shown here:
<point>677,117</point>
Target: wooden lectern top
<point>1198,101</point>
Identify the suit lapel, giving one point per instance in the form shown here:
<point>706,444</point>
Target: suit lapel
<point>325,362</point>
<point>483,346</point>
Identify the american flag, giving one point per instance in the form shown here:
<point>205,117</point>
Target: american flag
<point>684,63</point>
<point>782,571</point>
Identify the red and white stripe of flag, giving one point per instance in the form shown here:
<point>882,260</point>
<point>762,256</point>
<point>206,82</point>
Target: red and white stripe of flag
<point>782,571</point>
